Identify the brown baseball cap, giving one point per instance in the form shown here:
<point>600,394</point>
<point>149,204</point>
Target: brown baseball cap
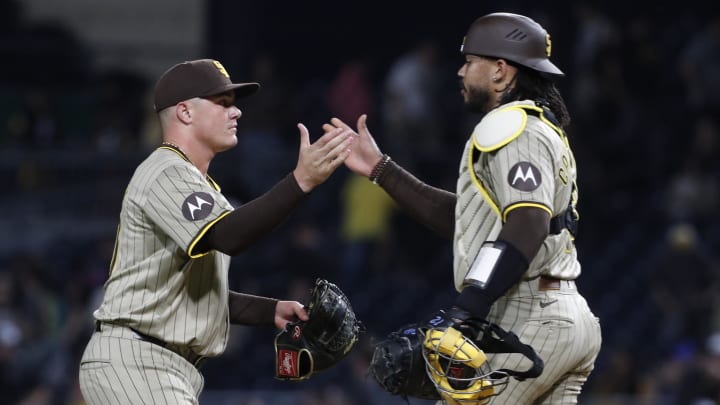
<point>197,78</point>
<point>513,37</point>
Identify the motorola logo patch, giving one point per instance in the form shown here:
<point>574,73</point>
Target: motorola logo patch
<point>524,176</point>
<point>197,206</point>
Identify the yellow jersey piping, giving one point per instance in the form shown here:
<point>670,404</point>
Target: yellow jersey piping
<point>201,234</point>
<point>479,185</point>
<point>525,204</point>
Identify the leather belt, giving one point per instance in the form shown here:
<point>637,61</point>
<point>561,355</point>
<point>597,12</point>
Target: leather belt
<point>548,283</point>
<point>193,358</point>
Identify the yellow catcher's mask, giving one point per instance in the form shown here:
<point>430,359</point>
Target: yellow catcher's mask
<point>459,369</point>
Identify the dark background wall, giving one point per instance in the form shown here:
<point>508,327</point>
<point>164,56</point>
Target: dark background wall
<point>642,87</point>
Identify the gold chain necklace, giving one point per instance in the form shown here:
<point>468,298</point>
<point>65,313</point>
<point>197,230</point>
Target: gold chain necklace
<point>172,145</point>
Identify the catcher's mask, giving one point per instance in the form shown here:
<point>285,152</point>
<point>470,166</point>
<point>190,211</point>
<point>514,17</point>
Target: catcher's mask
<point>459,369</point>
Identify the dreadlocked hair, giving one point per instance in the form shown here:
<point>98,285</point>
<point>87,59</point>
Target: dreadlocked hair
<point>531,85</point>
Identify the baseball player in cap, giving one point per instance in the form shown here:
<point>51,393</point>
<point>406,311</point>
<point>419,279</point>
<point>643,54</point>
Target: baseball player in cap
<point>166,302</point>
<point>512,217</point>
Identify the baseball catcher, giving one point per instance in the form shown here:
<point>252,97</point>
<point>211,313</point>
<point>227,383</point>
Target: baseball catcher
<point>444,359</point>
<point>304,348</point>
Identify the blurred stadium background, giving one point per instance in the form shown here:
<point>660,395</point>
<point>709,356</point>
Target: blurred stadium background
<point>642,86</point>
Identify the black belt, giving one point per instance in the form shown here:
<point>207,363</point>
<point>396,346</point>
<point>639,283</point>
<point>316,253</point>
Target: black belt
<point>194,359</point>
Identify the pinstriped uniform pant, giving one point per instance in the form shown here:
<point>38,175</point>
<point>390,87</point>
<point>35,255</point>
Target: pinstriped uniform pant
<point>559,325</point>
<point>564,332</point>
<point>118,368</point>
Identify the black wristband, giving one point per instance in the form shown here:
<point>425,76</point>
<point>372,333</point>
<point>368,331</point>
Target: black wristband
<point>475,301</point>
<point>507,271</point>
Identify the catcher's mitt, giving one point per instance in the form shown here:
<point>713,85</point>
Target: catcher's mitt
<point>398,365</point>
<point>304,348</point>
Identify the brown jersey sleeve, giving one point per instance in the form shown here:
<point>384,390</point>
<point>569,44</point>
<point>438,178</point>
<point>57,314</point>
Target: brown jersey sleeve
<point>431,206</point>
<point>249,222</point>
<point>247,309</point>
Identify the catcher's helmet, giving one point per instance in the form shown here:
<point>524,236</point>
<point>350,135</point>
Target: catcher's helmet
<point>513,37</point>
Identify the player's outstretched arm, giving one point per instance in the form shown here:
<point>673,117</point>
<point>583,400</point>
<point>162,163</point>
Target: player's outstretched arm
<point>431,206</point>
<point>317,161</point>
<point>256,218</point>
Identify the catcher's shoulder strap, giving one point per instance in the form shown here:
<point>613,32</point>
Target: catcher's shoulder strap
<point>495,339</point>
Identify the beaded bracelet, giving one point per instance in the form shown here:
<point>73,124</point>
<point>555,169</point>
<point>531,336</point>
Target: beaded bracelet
<point>379,168</point>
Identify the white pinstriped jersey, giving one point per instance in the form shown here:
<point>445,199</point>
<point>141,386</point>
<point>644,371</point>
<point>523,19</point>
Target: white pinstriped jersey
<point>533,166</point>
<point>158,284</point>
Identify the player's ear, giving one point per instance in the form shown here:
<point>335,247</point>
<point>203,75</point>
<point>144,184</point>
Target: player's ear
<point>503,69</point>
<point>183,112</point>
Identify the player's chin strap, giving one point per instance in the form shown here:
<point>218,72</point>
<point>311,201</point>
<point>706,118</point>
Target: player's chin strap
<point>493,339</point>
